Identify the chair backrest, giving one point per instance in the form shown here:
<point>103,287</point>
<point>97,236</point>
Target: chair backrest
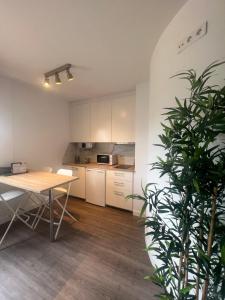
<point>47,169</point>
<point>65,172</point>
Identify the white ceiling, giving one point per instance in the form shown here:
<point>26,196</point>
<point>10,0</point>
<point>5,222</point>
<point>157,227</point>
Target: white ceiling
<point>109,42</point>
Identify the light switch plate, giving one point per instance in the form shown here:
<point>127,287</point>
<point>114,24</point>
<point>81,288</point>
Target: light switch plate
<point>193,37</point>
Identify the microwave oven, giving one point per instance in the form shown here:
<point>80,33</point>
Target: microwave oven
<point>109,159</point>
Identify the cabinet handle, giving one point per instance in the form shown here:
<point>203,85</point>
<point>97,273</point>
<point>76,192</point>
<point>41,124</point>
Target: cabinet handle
<point>118,193</point>
<point>119,174</point>
<point>119,183</point>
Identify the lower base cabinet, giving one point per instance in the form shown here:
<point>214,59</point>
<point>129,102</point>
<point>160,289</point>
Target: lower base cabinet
<point>103,187</point>
<point>119,184</point>
<point>95,186</point>
<point>77,188</point>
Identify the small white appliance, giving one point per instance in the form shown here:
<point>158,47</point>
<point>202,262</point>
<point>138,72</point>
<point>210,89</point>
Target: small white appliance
<point>18,168</point>
<point>108,159</point>
<point>95,186</point>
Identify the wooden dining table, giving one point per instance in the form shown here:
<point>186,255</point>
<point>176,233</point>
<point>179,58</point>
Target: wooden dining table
<point>39,182</point>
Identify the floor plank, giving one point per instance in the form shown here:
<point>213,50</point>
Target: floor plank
<point>100,257</point>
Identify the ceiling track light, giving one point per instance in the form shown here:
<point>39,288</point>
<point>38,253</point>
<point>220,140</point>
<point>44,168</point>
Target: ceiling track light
<point>57,79</point>
<point>65,68</point>
<point>46,82</point>
<point>69,75</point>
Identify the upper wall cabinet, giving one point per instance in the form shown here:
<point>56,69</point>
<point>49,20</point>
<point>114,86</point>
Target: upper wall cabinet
<point>101,121</point>
<point>80,122</point>
<point>108,120</point>
<point>123,119</point>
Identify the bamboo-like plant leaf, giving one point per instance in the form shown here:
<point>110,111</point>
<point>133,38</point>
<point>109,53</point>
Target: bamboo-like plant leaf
<point>222,245</point>
<point>187,216</point>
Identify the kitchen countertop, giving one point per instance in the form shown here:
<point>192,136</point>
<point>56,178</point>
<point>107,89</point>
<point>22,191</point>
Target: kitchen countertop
<point>99,166</point>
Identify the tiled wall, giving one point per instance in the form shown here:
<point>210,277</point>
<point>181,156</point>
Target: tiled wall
<point>125,152</point>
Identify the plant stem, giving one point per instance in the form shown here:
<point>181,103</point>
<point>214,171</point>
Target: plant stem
<point>210,241</point>
<point>186,239</point>
<point>199,245</point>
<point>186,261</point>
<point>181,259</point>
<point>180,275</point>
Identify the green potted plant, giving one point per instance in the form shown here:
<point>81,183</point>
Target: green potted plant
<point>185,218</point>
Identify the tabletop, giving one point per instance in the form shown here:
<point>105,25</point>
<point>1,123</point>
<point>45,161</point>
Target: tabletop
<point>37,182</point>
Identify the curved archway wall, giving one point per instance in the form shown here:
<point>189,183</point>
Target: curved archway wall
<point>165,62</point>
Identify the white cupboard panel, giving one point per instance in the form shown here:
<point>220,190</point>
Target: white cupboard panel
<point>121,185</point>
<point>80,122</point>
<point>118,186</point>
<point>77,188</point>
<point>95,186</point>
<point>101,121</point>
<point>120,176</point>
<point>117,197</point>
<point>123,119</point>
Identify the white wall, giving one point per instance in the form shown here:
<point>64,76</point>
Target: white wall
<point>34,128</point>
<point>141,149</point>
<point>33,125</point>
<point>6,123</point>
<point>165,61</point>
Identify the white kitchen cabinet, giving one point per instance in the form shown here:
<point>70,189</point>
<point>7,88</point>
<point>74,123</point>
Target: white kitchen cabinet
<point>80,122</point>
<point>77,188</point>
<point>101,121</point>
<point>119,184</point>
<point>95,186</point>
<point>123,119</point>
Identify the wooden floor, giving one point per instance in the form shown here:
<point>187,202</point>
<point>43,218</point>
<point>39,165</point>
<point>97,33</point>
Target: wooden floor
<point>100,257</point>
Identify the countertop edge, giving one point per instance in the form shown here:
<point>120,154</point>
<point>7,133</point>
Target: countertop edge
<point>101,167</point>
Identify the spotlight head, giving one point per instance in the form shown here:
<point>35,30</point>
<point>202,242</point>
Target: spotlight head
<point>57,79</point>
<point>69,75</point>
<point>46,82</point>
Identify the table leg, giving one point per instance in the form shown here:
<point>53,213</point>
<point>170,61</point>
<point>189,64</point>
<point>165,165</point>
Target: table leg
<point>51,216</point>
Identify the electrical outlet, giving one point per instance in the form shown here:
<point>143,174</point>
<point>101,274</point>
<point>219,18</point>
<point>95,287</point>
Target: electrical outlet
<point>193,37</point>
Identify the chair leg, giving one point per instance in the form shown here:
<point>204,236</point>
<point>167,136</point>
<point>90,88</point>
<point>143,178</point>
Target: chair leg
<point>19,213</point>
<point>40,216</point>
<point>9,226</point>
<point>36,217</point>
<point>63,210</point>
<point>39,202</point>
<point>66,211</point>
<point>71,216</point>
<point>62,215</point>
<point>16,212</point>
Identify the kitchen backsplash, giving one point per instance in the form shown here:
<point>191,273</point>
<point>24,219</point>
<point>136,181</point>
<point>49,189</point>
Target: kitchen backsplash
<point>125,152</point>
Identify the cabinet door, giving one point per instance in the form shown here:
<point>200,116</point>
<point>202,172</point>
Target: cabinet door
<point>117,198</point>
<point>101,121</point>
<point>80,122</point>
<point>123,119</point>
<point>95,186</point>
<point>77,188</point>
<point>117,188</point>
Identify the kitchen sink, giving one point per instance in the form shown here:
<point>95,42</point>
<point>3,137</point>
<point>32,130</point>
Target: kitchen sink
<point>123,167</point>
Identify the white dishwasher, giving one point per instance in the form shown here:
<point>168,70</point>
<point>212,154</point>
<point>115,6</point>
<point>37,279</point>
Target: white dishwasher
<point>95,186</point>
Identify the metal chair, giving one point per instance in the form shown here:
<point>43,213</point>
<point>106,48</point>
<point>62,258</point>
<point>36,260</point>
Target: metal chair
<point>58,193</point>
<point>38,200</point>
<point>17,212</point>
